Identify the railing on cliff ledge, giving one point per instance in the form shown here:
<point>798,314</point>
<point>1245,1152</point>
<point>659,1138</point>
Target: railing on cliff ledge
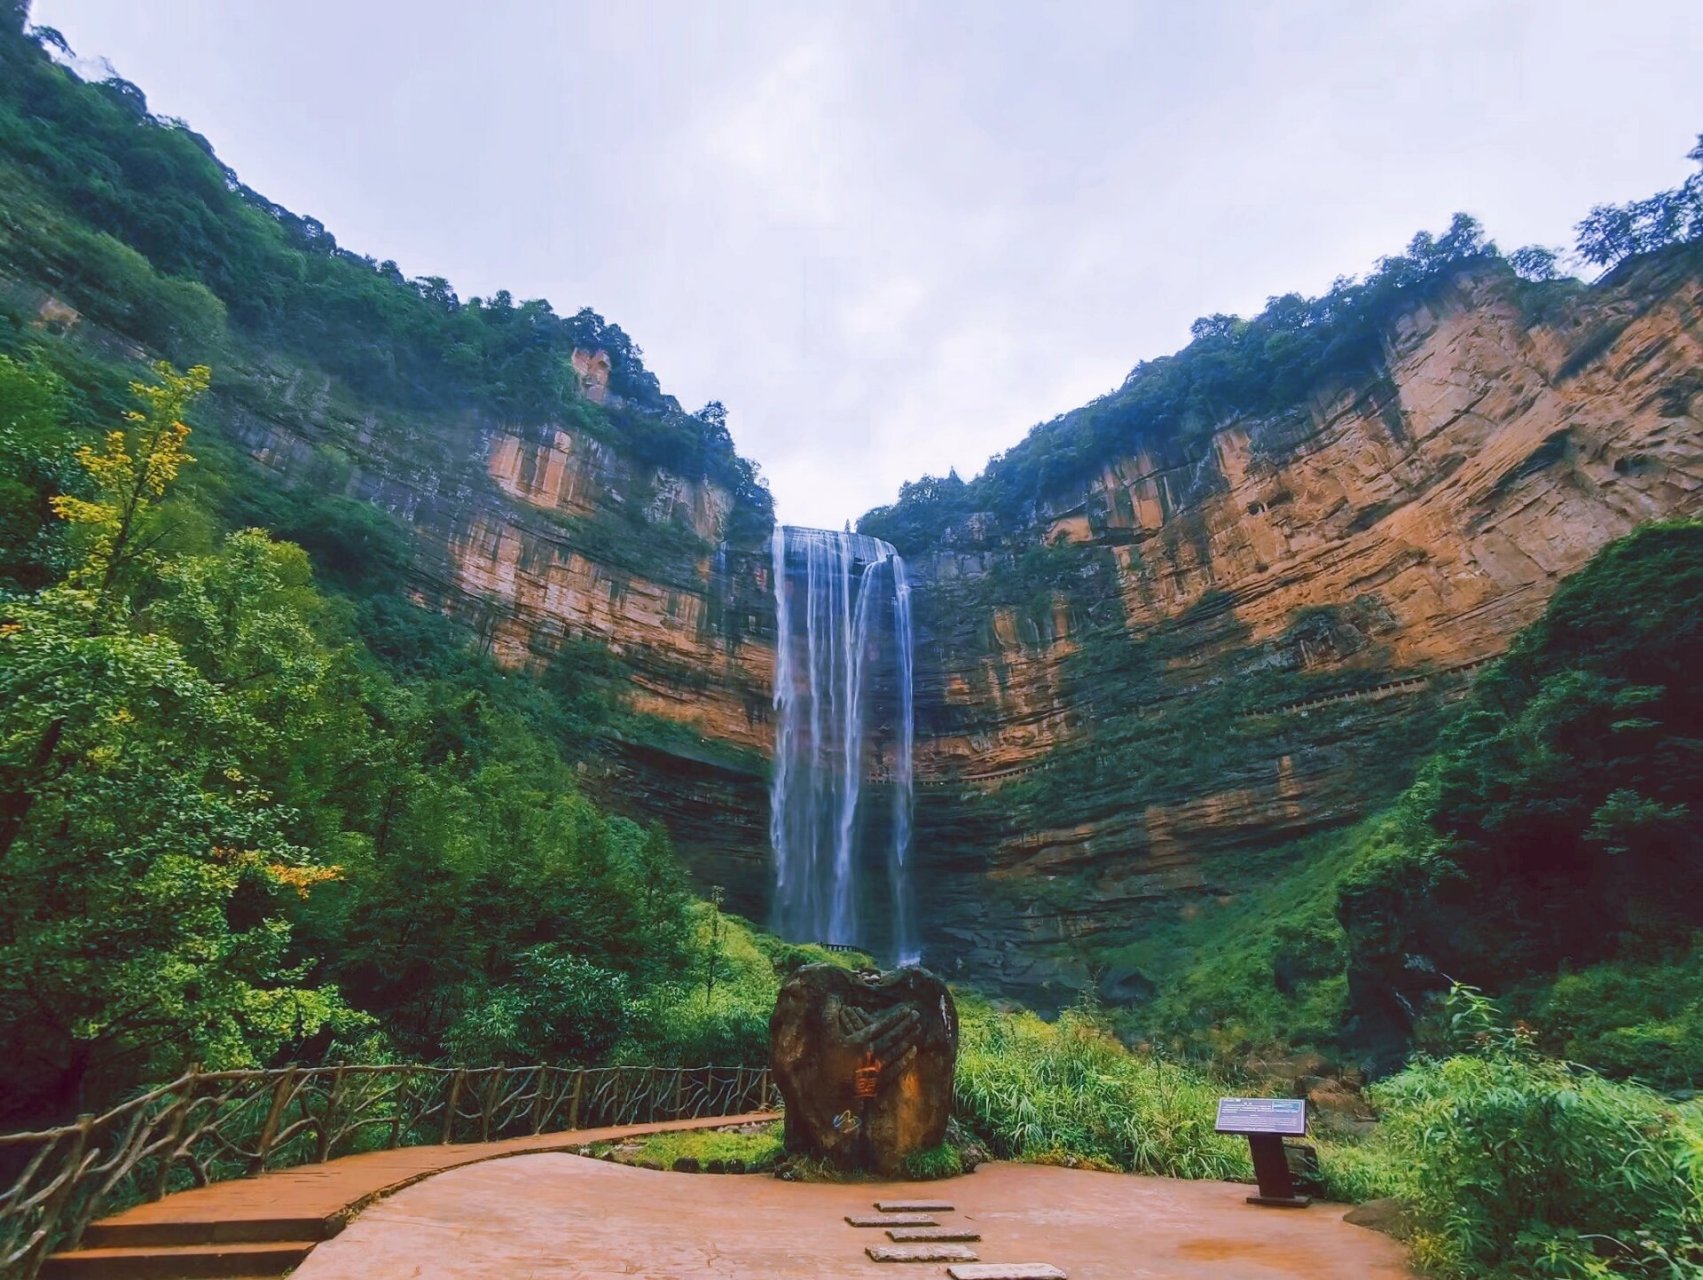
<point>209,1126</point>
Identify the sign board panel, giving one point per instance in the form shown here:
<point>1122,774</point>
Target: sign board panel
<point>1287,1116</point>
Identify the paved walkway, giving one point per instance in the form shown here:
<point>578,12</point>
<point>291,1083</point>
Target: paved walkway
<point>551,1217</point>
<point>264,1225</point>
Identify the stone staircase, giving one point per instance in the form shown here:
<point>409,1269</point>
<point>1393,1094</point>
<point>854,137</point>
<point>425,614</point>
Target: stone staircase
<point>181,1250</point>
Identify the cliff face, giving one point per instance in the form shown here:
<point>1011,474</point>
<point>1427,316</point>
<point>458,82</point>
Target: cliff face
<point>1210,651</point>
<point>548,538</point>
<point>1203,650</point>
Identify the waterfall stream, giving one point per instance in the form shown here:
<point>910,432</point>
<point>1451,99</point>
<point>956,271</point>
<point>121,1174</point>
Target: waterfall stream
<point>842,697</point>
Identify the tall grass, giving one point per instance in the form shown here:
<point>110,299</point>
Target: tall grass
<point>1032,1090</point>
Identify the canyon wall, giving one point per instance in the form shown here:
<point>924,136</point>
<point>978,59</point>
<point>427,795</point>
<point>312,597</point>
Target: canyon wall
<point>1213,649</point>
<point>1204,650</point>
<point>553,544</point>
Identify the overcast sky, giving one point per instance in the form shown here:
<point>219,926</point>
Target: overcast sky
<point>892,237</point>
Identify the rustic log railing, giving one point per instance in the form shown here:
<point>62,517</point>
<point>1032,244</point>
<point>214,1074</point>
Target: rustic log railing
<point>209,1126</point>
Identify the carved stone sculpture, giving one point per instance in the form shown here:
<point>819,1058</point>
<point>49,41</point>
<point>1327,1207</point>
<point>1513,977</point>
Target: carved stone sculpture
<point>864,1062</point>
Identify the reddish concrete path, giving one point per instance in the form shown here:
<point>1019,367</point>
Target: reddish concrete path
<point>265,1225</point>
<point>551,1217</point>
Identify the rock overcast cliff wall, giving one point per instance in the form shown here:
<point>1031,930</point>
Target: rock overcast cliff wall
<point>1201,649</point>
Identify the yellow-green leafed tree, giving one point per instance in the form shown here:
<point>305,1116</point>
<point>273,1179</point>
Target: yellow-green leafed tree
<point>130,473</point>
<point>150,861</point>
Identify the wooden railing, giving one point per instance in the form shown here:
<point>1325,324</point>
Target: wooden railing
<point>209,1126</point>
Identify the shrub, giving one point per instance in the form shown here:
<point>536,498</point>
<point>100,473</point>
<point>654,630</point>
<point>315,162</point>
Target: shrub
<point>1625,1019</point>
<point>721,1013</point>
<point>1517,1164</point>
<point>560,1008</point>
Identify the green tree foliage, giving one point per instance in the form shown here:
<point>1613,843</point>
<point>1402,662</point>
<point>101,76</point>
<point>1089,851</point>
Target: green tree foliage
<point>1550,849</point>
<point>242,820</point>
<point>35,467</point>
<point>134,219</point>
<point>1611,233</point>
<point>128,475</point>
<point>1537,263</point>
<point>143,856</point>
<point>1558,823</point>
<point>560,1007</point>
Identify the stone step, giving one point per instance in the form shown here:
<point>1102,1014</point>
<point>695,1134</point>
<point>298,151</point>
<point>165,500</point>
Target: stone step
<point>118,1232</point>
<point>920,1253</point>
<point>913,1206</point>
<point>1006,1271</point>
<point>911,1235</point>
<point>891,1220</point>
<point>178,1262</point>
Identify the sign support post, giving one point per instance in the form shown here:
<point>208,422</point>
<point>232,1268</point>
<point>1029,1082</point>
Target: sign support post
<point>1265,1122</point>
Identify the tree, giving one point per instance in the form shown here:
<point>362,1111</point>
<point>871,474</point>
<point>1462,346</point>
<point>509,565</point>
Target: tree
<point>1610,234</point>
<point>146,861</point>
<point>130,472</point>
<point>141,901</point>
<point>1535,262</point>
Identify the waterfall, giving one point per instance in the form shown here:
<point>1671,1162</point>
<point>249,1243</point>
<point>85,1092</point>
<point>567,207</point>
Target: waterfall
<point>833,593</point>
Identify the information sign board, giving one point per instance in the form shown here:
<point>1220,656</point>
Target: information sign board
<point>1285,1116</point>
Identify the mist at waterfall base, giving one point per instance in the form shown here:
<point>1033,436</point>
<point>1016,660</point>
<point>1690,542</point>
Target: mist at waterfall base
<point>841,792</point>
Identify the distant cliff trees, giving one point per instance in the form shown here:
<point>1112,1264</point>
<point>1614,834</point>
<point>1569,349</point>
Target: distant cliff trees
<point>135,220</point>
<point>1263,366</point>
<point>1611,233</point>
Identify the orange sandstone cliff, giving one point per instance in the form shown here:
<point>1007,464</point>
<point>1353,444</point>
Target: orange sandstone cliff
<point>1200,651</point>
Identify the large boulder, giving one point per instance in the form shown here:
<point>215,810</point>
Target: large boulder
<point>898,1031</point>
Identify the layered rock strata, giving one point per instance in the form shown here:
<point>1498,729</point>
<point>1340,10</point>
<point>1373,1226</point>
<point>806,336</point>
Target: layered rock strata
<point>1202,650</point>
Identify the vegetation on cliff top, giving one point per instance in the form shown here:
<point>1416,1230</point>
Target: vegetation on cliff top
<point>1265,368</point>
<point>133,219</point>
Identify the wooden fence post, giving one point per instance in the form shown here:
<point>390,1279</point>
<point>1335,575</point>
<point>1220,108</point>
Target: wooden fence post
<point>493,1088</point>
<point>54,1206</point>
<point>538,1100</point>
<point>174,1130</point>
<point>573,1106</point>
<point>322,1145</point>
<point>396,1097</point>
<point>450,1105</point>
<point>274,1119</point>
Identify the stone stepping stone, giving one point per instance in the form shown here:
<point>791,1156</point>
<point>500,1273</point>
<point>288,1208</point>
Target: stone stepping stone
<point>1006,1271</point>
<point>936,1234</point>
<point>920,1253</point>
<point>891,1220</point>
<point>913,1206</point>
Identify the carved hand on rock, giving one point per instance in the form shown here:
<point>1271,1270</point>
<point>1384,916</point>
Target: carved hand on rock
<point>890,1038</point>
